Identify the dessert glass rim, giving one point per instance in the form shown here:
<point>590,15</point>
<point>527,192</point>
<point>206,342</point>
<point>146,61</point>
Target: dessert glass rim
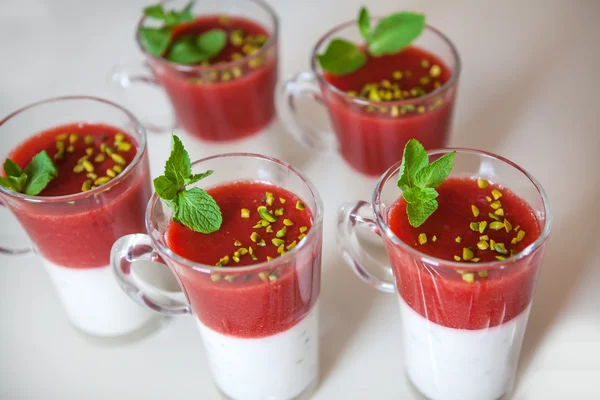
<point>141,150</point>
<point>365,102</point>
<point>271,42</point>
<point>392,172</point>
<point>159,244</point>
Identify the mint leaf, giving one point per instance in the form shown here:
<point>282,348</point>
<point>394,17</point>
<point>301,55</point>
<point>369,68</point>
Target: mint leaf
<point>155,40</point>
<point>341,57</point>
<point>18,183</point>
<point>212,42</point>
<point>186,14</point>
<point>178,167</point>
<point>40,171</point>
<point>414,158</point>
<point>419,211</point>
<point>185,51</point>
<point>11,168</point>
<point>395,32</point>
<point>364,23</point>
<point>197,177</point>
<point>432,175</point>
<point>156,11</point>
<point>165,189</point>
<point>4,182</point>
<point>418,180</point>
<point>198,211</point>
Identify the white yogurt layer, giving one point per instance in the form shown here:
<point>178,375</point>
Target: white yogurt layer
<point>277,367</point>
<point>94,301</point>
<point>460,364</point>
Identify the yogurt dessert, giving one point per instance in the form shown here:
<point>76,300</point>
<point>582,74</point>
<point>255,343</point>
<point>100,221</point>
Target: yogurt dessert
<point>107,173</point>
<point>463,324</point>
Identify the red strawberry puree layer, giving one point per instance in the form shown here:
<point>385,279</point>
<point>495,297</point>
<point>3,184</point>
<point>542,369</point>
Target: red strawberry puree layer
<point>249,306</point>
<point>222,109</point>
<point>80,234</point>
<point>371,141</point>
<point>440,294</point>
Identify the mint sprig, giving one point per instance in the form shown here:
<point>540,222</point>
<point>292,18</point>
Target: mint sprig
<point>392,34</point>
<point>31,181</point>
<point>418,179</point>
<point>194,207</point>
<point>186,50</point>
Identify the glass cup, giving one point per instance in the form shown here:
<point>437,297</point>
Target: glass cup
<point>261,337</point>
<point>73,234</point>
<point>371,135</point>
<point>476,358</point>
<point>221,102</point>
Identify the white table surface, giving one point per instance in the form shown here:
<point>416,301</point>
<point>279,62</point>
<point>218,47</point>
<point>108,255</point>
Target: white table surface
<point>529,91</point>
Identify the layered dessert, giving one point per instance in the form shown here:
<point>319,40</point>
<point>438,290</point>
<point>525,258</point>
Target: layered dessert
<point>229,93</point>
<point>101,164</point>
<point>371,137</point>
<point>463,323</point>
<point>259,326</point>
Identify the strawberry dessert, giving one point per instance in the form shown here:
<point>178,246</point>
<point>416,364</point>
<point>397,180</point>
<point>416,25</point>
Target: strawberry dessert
<point>97,192</point>
<point>463,323</point>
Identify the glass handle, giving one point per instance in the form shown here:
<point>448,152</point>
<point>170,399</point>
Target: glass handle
<point>138,247</point>
<point>351,215</point>
<point>13,250</point>
<point>125,76</point>
<point>303,84</point>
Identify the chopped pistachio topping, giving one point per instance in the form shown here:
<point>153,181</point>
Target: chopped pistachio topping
<point>497,194</point>
<point>482,226</point>
<point>501,258</point>
<point>62,136</point>
<point>269,258</point>
<point>475,210</point>
<point>87,185</point>
<point>243,251</point>
<point>434,238</point>
<point>517,228</point>
<point>92,176</point>
<point>117,158</point>
<point>288,222</point>
<point>111,173</point>
<point>281,233</point>
<point>70,149</point>
<point>482,183</point>
<point>507,225</point>
<point>435,71</point>
<point>467,253</point>
<point>514,241</point>
<point>497,225</point>
<point>237,243</point>
<point>272,277</point>
<point>245,213</point>
<point>488,198</point>
<point>281,249</point>
<point>78,168</point>
<point>215,277</point>
<point>277,242</point>
<point>468,277</point>
<point>251,250</point>
<point>282,200</point>
<point>88,166</point>
<point>499,247</point>
<point>279,212</point>
<point>483,274</point>
<point>89,151</point>
<point>422,238</point>
<point>499,212</point>
<point>89,140</point>
<point>266,215</point>
<point>494,216</point>
<point>520,235</point>
<point>255,237</point>
<point>492,243</point>
<point>483,245</point>
<point>303,229</point>
<point>264,223</point>
<point>100,158</point>
<point>484,237</point>
<point>458,239</point>
<point>236,258</point>
<point>124,146</point>
<point>301,236</point>
<point>269,229</point>
<point>73,138</point>
<point>224,260</point>
<point>264,276</point>
<point>119,137</point>
<point>300,205</point>
<point>258,225</point>
<point>496,204</point>
<point>457,258</point>
<point>291,245</point>
<point>269,199</point>
<point>474,226</point>
<point>475,259</point>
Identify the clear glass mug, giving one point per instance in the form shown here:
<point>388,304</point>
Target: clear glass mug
<point>459,362</point>
<point>278,363</point>
<point>73,234</point>
<point>367,134</point>
<point>220,102</point>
